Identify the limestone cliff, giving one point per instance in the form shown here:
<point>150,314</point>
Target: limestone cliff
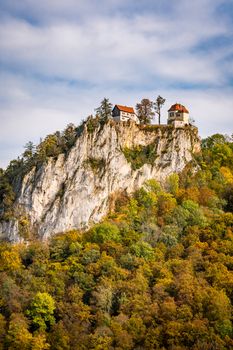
<point>73,191</point>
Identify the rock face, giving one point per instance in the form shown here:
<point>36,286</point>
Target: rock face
<point>73,191</point>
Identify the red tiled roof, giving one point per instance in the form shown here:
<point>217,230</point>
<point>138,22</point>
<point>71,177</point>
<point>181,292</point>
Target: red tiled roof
<point>125,109</point>
<point>178,107</point>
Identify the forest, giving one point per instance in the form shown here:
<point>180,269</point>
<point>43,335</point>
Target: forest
<point>155,274</point>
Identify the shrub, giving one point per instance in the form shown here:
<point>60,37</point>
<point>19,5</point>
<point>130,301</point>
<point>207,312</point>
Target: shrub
<point>104,232</point>
<point>140,155</point>
<point>96,164</point>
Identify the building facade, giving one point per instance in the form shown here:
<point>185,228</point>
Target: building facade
<point>178,115</point>
<point>124,113</point>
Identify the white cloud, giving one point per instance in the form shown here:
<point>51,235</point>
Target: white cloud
<point>62,57</point>
<point>114,49</point>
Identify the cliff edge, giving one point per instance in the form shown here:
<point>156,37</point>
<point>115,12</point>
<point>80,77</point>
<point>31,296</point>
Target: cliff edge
<point>73,191</point>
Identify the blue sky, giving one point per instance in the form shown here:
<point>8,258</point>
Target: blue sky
<point>59,58</point>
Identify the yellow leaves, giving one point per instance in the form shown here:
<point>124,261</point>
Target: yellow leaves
<point>153,186</point>
<point>121,337</point>
<point>39,342</point>
<point>192,193</point>
<point>218,305</point>
<point>173,330</point>
<point>2,330</point>
<point>100,342</point>
<point>24,226</point>
<point>24,221</point>
<point>227,174</point>
<point>166,203</point>
<point>120,286</point>
<point>184,312</point>
<point>136,328</point>
<point>106,266</point>
<point>10,260</point>
<point>19,337</point>
<point>168,309</point>
<point>219,276</point>
<point>202,245</point>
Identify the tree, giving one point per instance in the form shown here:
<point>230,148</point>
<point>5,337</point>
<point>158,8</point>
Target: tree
<point>59,337</point>
<point>157,106</point>
<point>29,150</point>
<point>18,337</point>
<point>69,136</point>
<point>213,140</point>
<point>39,342</point>
<point>7,197</point>
<point>3,331</point>
<point>104,232</point>
<point>104,111</point>
<point>172,184</point>
<point>41,310</point>
<point>228,196</point>
<point>145,111</point>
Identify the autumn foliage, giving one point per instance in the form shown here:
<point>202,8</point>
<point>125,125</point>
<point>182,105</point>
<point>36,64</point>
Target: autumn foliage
<point>156,274</point>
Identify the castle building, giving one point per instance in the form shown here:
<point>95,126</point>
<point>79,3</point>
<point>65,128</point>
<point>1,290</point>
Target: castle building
<point>124,113</point>
<point>178,115</point>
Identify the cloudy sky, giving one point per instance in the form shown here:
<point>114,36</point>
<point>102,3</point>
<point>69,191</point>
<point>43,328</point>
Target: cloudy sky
<point>59,58</point>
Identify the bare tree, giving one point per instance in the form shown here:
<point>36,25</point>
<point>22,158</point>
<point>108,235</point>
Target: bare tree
<point>145,111</point>
<point>158,105</point>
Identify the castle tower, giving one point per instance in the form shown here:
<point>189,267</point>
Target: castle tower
<point>178,115</point>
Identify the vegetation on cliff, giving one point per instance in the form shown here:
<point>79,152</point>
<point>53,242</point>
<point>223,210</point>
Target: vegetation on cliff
<point>140,155</point>
<point>156,274</point>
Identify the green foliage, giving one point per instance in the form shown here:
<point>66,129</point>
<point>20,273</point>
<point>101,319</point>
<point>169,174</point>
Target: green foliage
<point>142,250</point>
<point>104,232</point>
<point>104,111</point>
<point>140,155</point>
<point>211,141</point>
<point>33,156</point>
<point>172,184</point>
<point>145,111</point>
<point>7,197</point>
<point>18,336</point>
<point>155,274</point>
<point>41,311</point>
<point>97,164</point>
<point>92,123</point>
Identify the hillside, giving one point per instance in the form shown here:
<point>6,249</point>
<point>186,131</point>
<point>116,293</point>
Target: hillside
<point>72,187</point>
<point>155,274</point>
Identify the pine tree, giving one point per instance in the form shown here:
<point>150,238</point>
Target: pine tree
<point>29,150</point>
<point>104,111</point>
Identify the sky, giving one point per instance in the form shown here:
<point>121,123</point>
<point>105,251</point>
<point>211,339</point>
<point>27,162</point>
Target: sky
<point>60,58</point>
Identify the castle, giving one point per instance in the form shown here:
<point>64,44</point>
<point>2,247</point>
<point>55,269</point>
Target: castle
<point>178,115</point>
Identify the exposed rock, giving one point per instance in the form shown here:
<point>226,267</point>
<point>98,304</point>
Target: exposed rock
<point>74,191</point>
<point>9,230</point>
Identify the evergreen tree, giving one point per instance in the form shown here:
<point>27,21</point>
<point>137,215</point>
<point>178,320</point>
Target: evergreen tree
<point>104,111</point>
<point>29,150</point>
